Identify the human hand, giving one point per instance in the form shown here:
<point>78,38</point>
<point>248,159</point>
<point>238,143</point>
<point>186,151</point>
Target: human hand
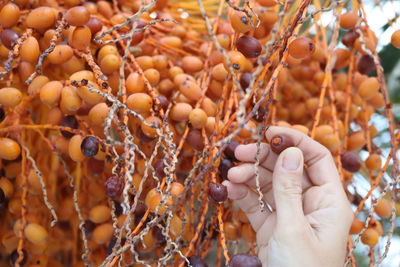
<point>311,215</point>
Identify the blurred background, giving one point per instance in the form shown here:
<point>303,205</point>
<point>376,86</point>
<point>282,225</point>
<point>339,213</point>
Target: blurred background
<point>383,18</point>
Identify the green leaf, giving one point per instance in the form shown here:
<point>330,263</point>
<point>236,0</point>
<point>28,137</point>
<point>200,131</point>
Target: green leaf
<point>389,56</point>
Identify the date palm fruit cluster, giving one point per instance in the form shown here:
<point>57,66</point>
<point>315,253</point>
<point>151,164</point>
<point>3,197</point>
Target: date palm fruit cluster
<point>119,121</point>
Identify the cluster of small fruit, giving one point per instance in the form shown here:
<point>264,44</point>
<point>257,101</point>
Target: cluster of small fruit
<point>110,123</point>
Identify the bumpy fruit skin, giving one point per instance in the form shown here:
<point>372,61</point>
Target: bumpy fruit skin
<point>140,102</point>
<point>356,226</point>
<point>71,122</point>
<point>356,141</point>
<point>98,114</point>
<point>245,80</point>
<point>238,61</point>
<point>373,162</point>
<point>70,102</point>
<point>114,187</point>
<point>50,93</point>
<point>110,63</point>
<point>181,111</point>
<point>30,50</point>
<point>8,38</point>
<point>9,15</point>
<point>36,234</point>
<point>217,192</point>
<point>163,102</point>
<point>376,225</point>
<point>77,16</point>
<point>159,168</point>
<point>177,190</point>
<point>240,22</point>
<point>10,97</point>
<point>192,64</point>
<point>244,260</point>
<point>383,208</point>
<point>153,76</point>
<point>348,20</point>
<point>80,38</point>
<point>195,139</point>
<point>37,84</point>
<point>148,130</point>
<point>370,237</point>
<point>7,186</point>
<point>198,118</point>
<point>301,47</point>
<point>230,150</point>
<point>219,73</point>
<point>134,83</point>
<point>100,214</point>
<point>90,146</point>
<point>350,162</point>
<point>249,46</point>
<point>153,200</point>
<point>224,166</point>
<point>94,25</point>
<point>103,233</point>
<point>280,143</point>
<point>368,88</point>
<point>9,149</point>
<point>191,90</point>
<point>209,107</point>
<point>41,18</point>
<point>366,64</point>
<point>61,54</point>
<point>74,148</point>
<point>231,231</point>
<point>349,38</point>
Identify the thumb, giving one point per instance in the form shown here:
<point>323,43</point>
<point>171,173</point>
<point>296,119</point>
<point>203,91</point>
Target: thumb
<point>287,189</point>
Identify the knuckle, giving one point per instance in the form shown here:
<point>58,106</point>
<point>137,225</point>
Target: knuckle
<point>290,184</point>
<point>325,151</point>
<point>266,187</point>
<point>263,151</point>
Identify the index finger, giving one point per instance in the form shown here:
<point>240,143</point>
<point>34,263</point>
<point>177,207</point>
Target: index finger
<point>321,167</point>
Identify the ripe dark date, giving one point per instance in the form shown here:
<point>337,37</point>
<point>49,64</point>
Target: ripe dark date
<point>280,143</point>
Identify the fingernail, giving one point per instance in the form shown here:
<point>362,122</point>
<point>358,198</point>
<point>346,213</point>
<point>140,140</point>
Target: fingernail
<point>226,183</point>
<point>291,159</point>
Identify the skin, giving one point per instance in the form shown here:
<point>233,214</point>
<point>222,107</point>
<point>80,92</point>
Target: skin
<point>311,215</point>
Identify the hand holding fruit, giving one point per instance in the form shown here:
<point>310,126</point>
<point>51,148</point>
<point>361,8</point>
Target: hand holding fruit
<point>311,215</point>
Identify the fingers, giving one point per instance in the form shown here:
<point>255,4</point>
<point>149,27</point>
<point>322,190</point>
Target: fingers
<point>321,167</point>
<point>247,200</point>
<point>246,173</point>
<point>287,187</point>
<point>248,153</point>
<point>267,160</point>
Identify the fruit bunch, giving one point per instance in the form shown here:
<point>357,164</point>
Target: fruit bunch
<point>119,121</point>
